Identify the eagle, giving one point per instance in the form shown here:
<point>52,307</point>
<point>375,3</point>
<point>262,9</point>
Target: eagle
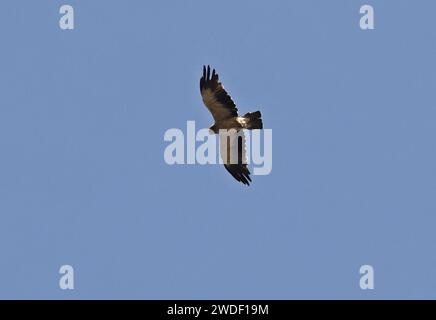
<point>228,125</point>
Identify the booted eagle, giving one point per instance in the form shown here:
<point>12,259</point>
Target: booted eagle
<point>228,124</point>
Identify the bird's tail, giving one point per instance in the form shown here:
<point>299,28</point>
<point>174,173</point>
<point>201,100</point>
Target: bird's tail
<point>254,120</point>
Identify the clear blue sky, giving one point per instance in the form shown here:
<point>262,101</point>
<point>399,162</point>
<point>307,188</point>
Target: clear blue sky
<point>82,176</point>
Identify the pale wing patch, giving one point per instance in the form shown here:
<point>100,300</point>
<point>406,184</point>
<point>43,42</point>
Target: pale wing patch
<point>242,121</point>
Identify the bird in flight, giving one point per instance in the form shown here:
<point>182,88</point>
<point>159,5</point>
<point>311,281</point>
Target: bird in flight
<point>228,125</point>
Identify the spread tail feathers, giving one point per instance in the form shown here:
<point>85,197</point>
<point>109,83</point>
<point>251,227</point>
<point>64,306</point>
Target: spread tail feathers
<point>254,120</point>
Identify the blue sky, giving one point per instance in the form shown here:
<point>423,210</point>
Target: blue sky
<point>82,177</point>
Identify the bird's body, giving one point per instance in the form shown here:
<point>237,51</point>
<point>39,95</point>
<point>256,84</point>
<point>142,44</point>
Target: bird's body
<point>248,121</point>
<point>228,124</point>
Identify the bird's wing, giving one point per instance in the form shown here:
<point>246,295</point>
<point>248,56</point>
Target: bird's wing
<point>233,153</point>
<point>216,99</point>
